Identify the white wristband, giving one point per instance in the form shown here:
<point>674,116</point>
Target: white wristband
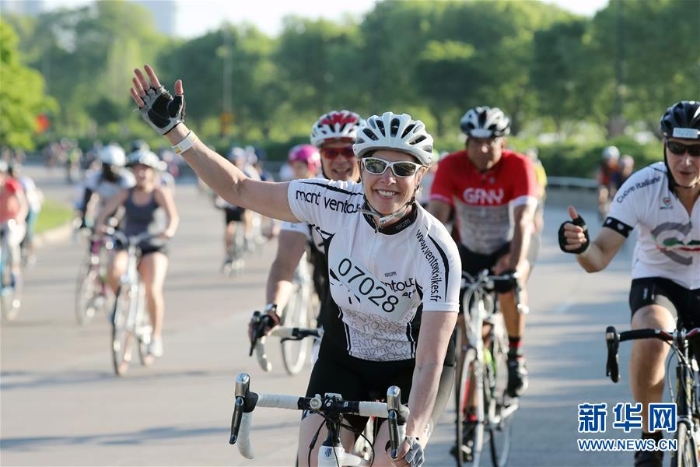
<point>185,144</point>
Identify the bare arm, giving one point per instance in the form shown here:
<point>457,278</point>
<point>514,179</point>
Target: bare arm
<point>267,198</point>
<point>440,210</point>
<point>435,333</point>
<point>600,252</point>
<point>165,199</point>
<point>290,248</point>
<point>523,218</point>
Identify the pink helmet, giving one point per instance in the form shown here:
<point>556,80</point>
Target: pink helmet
<point>306,153</point>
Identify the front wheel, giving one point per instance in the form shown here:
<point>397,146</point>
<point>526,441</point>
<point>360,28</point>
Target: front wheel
<point>122,332</point>
<point>296,315</point>
<point>687,454</point>
<point>89,299</point>
<point>469,434</point>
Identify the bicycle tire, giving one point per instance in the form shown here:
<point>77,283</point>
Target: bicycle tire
<point>463,379</point>
<point>144,328</point>
<point>503,406</point>
<point>686,455</point>
<point>86,294</point>
<point>296,314</point>
<point>122,336</point>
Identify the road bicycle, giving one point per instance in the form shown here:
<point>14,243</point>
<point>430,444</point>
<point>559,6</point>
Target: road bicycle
<point>9,283</point>
<point>131,325</point>
<point>684,390</point>
<point>91,288</point>
<point>482,373</point>
<point>332,408</point>
<point>234,261</point>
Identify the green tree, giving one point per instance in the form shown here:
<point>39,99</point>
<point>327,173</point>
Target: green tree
<point>22,95</point>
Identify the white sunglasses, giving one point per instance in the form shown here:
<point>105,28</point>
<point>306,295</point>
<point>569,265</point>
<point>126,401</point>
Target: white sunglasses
<point>377,166</point>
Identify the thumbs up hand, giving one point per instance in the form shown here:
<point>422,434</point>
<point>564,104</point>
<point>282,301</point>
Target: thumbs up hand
<point>573,234</point>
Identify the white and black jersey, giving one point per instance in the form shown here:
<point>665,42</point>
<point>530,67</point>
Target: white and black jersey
<point>381,280</point>
<point>669,238</point>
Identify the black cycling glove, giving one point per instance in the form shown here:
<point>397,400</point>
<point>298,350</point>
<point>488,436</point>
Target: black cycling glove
<point>562,239</point>
<point>161,110</point>
<point>505,286</point>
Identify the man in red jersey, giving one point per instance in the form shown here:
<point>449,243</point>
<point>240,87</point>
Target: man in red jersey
<point>493,192</point>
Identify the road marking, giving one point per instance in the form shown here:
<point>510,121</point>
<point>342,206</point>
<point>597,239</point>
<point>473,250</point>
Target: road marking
<point>564,306</point>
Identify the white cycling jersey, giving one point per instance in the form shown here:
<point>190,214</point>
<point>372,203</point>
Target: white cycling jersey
<point>96,183</point>
<point>669,238</point>
<point>380,280</point>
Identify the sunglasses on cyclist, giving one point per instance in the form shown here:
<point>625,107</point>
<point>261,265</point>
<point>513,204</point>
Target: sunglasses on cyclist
<point>332,153</point>
<point>680,149</point>
<point>377,166</point>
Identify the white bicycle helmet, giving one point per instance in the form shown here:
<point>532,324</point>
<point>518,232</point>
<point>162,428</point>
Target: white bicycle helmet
<point>336,124</point>
<point>485,122</point>
<point>611,153</point>
<point>395,132</point>
<point>147,158</point>
<point>113,155</point>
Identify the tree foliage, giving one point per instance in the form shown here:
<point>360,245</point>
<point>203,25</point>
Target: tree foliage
<point>22,95</point>
<point>545,67</point>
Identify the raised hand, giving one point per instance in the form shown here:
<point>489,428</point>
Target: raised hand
<point>158,107</point>
<point>573,234</point>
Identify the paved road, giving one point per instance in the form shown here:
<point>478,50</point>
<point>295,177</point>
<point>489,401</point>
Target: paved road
<point>62,405</point>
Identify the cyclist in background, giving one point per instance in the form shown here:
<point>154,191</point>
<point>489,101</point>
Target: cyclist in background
<point>662,200</point>
<point>626,169</point>
<point>541,177</point>
<point>140,204</point>
<point>13,213</point>
<point>608,171</point>
<point>331,136</point>
<point>394,270</point>
<point>106,182</point>
<point>236,216</point>
<point>494,194</point>
<point>35,199</point>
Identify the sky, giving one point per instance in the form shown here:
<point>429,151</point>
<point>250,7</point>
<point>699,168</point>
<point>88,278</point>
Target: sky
<point>196,17</point>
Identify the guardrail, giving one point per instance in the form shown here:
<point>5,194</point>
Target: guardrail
<point>572,183</point>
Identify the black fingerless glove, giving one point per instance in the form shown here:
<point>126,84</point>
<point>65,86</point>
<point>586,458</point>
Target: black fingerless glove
<point>163,111</point>
<point>562,239</point>
<point>505,286</point>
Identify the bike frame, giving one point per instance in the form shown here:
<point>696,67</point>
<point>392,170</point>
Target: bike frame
<point>479,301</point>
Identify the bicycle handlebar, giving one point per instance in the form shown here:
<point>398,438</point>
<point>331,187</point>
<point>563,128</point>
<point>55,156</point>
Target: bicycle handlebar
<point>486,280</point>
<point>327,405</point>
<point>613,339</point>
<point>284,333</point>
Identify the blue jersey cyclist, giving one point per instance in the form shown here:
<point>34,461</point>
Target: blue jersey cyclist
<point>394,270</point>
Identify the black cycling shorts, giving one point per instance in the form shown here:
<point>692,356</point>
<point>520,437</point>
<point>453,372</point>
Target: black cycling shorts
<point>233,214</point>
<point>684,304</point>
<point>363,380</point>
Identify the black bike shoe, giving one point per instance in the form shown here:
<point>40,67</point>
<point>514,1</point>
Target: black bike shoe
<point>517,375</point>
<point>649,459</point>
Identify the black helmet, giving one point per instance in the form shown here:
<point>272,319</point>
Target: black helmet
<point>681,120</point>
<point>485,122</point>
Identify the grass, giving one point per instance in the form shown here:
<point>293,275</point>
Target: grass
<point>53,214</point>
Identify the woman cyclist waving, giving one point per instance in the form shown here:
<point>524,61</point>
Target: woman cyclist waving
<point>394,270</point>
